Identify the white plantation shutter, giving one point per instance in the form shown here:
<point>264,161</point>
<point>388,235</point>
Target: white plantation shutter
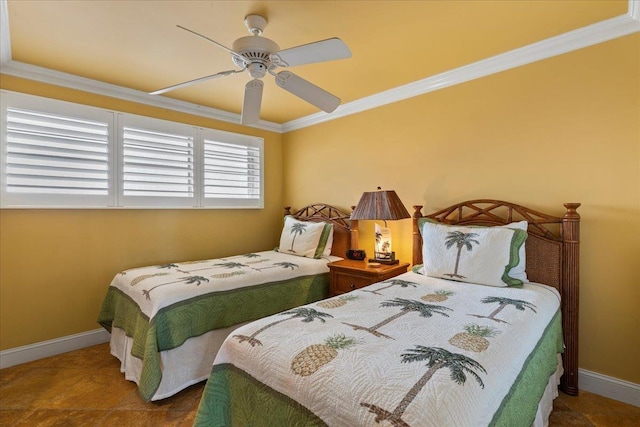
<point>64,155</point>
<point>157,164</point>
<point>158,167</point>
<point>233,172</point>
<point>60,159</point>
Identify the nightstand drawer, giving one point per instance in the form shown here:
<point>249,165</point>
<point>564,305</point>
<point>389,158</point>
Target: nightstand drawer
<point>347,283</point>
<point>348,275</point>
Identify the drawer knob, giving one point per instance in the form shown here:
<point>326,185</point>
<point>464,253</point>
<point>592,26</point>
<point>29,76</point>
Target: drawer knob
<point>352,287</point>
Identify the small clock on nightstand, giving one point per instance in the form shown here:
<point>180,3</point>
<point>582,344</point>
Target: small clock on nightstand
<point>347,275</point>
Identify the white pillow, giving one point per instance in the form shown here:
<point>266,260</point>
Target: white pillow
<point>304,238</point>
<point>483,255</point>
<point>519,271</point>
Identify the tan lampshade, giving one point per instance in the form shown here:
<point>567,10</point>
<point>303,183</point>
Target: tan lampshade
<point>382,204</point>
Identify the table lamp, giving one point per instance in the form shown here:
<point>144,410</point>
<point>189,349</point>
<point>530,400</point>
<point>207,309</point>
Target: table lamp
<point>381,205</point>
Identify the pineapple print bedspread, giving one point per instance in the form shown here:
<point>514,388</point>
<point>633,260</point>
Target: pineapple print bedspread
<point>410,351</point>
<point>162,306</point>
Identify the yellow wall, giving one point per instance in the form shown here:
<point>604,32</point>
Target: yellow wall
<point>566,129</point>
<point>56,265</point>
<point>559,130</point>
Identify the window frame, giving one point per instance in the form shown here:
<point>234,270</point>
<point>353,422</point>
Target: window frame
<point>116,122</point>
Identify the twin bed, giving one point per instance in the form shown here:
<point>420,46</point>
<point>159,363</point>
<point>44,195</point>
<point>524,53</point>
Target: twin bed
<point>420,350</point>
<point>168,321</point>
<point>458,340</point>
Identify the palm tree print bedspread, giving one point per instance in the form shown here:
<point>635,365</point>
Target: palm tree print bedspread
<point>154,288</point>
<point>162,306</point>
<point>412,351</point>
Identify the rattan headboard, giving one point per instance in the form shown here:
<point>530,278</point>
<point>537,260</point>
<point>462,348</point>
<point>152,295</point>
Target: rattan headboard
<point>340,220</point>
<point>552,249</point>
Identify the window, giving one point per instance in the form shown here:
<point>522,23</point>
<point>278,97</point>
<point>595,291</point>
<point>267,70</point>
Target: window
<point>55,155</point>
<point>157,162</point>
<point>232,170</point>
<point>58,154</point>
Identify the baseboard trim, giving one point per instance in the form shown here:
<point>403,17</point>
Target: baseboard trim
<point>40,350</point>
<point>603,385</point>
<point>613,388</point>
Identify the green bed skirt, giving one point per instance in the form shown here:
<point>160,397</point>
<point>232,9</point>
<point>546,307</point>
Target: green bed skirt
<point>174,324</point>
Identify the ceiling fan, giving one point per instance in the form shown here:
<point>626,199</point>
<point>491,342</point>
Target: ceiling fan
<point>260,55</point>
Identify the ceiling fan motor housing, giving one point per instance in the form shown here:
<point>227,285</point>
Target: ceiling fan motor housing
<point>256,51</point>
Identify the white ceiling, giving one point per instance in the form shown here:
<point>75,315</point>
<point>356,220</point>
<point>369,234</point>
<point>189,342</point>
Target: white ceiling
<point>400,48</point>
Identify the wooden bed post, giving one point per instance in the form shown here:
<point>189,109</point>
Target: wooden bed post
<point>570,292</point>
<point>417,238</point>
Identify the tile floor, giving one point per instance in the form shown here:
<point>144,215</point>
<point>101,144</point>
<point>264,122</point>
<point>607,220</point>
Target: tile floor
<point>85,388</point>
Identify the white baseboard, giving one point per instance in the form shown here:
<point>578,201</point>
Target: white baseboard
<point>613,388</point>
<point>40,350</point>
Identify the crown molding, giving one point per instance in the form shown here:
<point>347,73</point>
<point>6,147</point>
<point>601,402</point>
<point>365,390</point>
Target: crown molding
<point>583,37</point>
<point>45,75</point>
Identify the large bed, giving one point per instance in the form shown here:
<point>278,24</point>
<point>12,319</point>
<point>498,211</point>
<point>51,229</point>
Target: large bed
<point>167,321</point>
<point>454,341</point>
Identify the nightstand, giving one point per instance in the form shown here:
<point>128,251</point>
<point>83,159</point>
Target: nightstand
<point>347,275</point>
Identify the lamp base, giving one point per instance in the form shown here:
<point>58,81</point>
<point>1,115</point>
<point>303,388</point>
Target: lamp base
<point>385,258</point>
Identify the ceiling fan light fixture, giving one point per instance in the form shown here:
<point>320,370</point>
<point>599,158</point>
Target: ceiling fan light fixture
<point>257,70</point>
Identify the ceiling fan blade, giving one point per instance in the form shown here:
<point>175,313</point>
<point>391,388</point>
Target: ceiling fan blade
<point>307,91</point>
<point>237,55</point>
<point>252,101</point>
<point>320,51</point>
<point>198,80</point>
